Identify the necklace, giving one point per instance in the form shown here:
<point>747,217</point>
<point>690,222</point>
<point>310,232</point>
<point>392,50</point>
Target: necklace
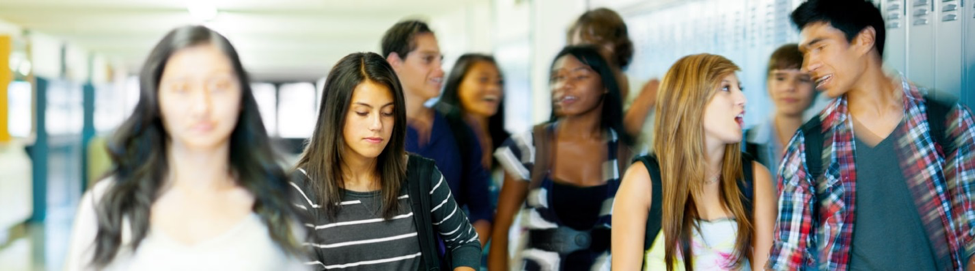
<point>712,180</point>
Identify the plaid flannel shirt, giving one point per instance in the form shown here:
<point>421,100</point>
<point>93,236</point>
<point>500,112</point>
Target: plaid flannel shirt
<point>816,213</point>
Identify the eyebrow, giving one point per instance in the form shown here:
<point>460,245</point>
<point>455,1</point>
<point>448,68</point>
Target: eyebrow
<point>370,106</point>
<point>811,43</point>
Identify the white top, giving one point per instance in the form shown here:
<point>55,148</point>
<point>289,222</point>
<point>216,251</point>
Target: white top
<point>245,246</point>
<point>713,246</point>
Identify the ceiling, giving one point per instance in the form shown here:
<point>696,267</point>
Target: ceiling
<point>278,40</point>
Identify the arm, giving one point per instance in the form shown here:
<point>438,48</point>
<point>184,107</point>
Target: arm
<point>637,114</point>
<point>476,191</point>
<point>959,172</point>
<point>81,248</point>
<point>451,223</point>
<point>794,233</point>
<point>765,212</point>
<point>513,194</point>
<point>630,210</point>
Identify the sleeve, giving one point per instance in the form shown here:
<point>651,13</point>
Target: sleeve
<point>476,191</point>
<point>794,245</point>
<point>307,210</point>
<point>81,247</point>
<point>452,225</point>
<point>959,174</point>
<point>517,155</point>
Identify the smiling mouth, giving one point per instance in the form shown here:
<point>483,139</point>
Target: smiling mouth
<point>491,98</point>
<point>820,81</point>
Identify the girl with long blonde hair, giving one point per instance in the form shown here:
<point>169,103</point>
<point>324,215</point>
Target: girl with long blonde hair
<point>695,200</point>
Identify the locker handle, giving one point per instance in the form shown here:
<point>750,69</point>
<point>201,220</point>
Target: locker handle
<point>893,7</point>
<point>921,22</point>
<point>949,17</point>
<point>894,16</point>
<point>920,3</point>
<point>949,7</point>
<point>920,12</point>
<point>893,25</point>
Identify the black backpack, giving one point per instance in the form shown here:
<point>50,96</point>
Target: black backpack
<point>656,212</point>
<point>418,172</point>
<point>937,116</point>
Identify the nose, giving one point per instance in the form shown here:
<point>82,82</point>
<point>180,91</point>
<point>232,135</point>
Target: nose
<point>810,64</point>
<point>376,123</point>
<point>201,103</point>
<point>740,98</point>
<point>792,84</point>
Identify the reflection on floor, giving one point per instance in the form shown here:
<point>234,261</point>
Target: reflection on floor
<point>38,246</point>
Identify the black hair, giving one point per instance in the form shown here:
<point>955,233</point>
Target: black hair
<point>450,100</point>
<point>138,150</point>
<point>612,115</point>
<point>322,158</point>
<point>400,38</point>
<point>849,16</point>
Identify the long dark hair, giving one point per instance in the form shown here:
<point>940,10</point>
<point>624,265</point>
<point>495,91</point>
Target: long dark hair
<point>612,115</point>
<point>138,150</point>
<point>450,100</point>
<point>322,158</point>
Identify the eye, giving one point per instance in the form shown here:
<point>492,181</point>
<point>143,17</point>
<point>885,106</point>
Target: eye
<point>388,114</point>
<point>741,88</point>
<point>780,78</point>
<point>362,113</point>
<point>725,88</point>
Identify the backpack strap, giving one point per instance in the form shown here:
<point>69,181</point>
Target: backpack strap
<point>937,111</point>
<point>656,213</point>
<point>813,134</point>
<point>750,147</point>
<point>542,138</point>
<point>418,175</point>
<point>746,185</point>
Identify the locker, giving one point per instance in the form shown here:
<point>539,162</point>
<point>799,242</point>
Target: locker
<point>921,66</point>
<point>895,48</point>
<point>969,66</point>
<point>948,76</point>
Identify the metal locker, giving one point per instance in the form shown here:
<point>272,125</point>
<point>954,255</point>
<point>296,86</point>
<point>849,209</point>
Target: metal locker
<point>920,42</point>
<point>948,50</point>
<point>895,47</point>
<point>969,49</point>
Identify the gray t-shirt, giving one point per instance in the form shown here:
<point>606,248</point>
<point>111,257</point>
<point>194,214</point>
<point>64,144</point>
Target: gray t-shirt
<point>887,231</point>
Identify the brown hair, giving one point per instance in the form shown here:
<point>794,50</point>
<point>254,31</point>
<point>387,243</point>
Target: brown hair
<point>603,25</point>
<point>785,57</point>
<point>685,91</point>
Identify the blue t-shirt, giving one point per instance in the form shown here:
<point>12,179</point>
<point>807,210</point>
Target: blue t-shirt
<point>466,176</point>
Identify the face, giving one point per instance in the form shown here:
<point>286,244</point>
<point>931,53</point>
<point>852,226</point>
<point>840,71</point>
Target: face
<point>480,91</point>
<point>576,88</point>
<point>419,71</point>
<point>791,90</point>
<point>834,64</point>
<point>199,97</point>
<point>724,114</point>
<point>369,121</point>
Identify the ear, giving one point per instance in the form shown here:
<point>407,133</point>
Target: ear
<point>394,60</point>
<point>865,40</point>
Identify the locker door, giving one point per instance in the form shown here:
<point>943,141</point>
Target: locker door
<point>948,49</point>
<point>895,48</point>
<point>921,33</point>
<point>969,48</point>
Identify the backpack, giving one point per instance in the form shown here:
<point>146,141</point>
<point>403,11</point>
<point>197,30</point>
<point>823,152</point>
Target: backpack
<point>418,171</point>
<point>937,114</point>
<point>655,217</point>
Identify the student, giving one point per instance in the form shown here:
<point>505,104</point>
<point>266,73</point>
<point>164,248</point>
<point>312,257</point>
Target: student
<point>696,202</point>
<point>372,206</point>
<point>196,185</point>
<point>605,29</point>
<point>474,92</point>
<point>791,91</point>
<point>411,48</point>
<point>566,170</point>
<point>882,178</point>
